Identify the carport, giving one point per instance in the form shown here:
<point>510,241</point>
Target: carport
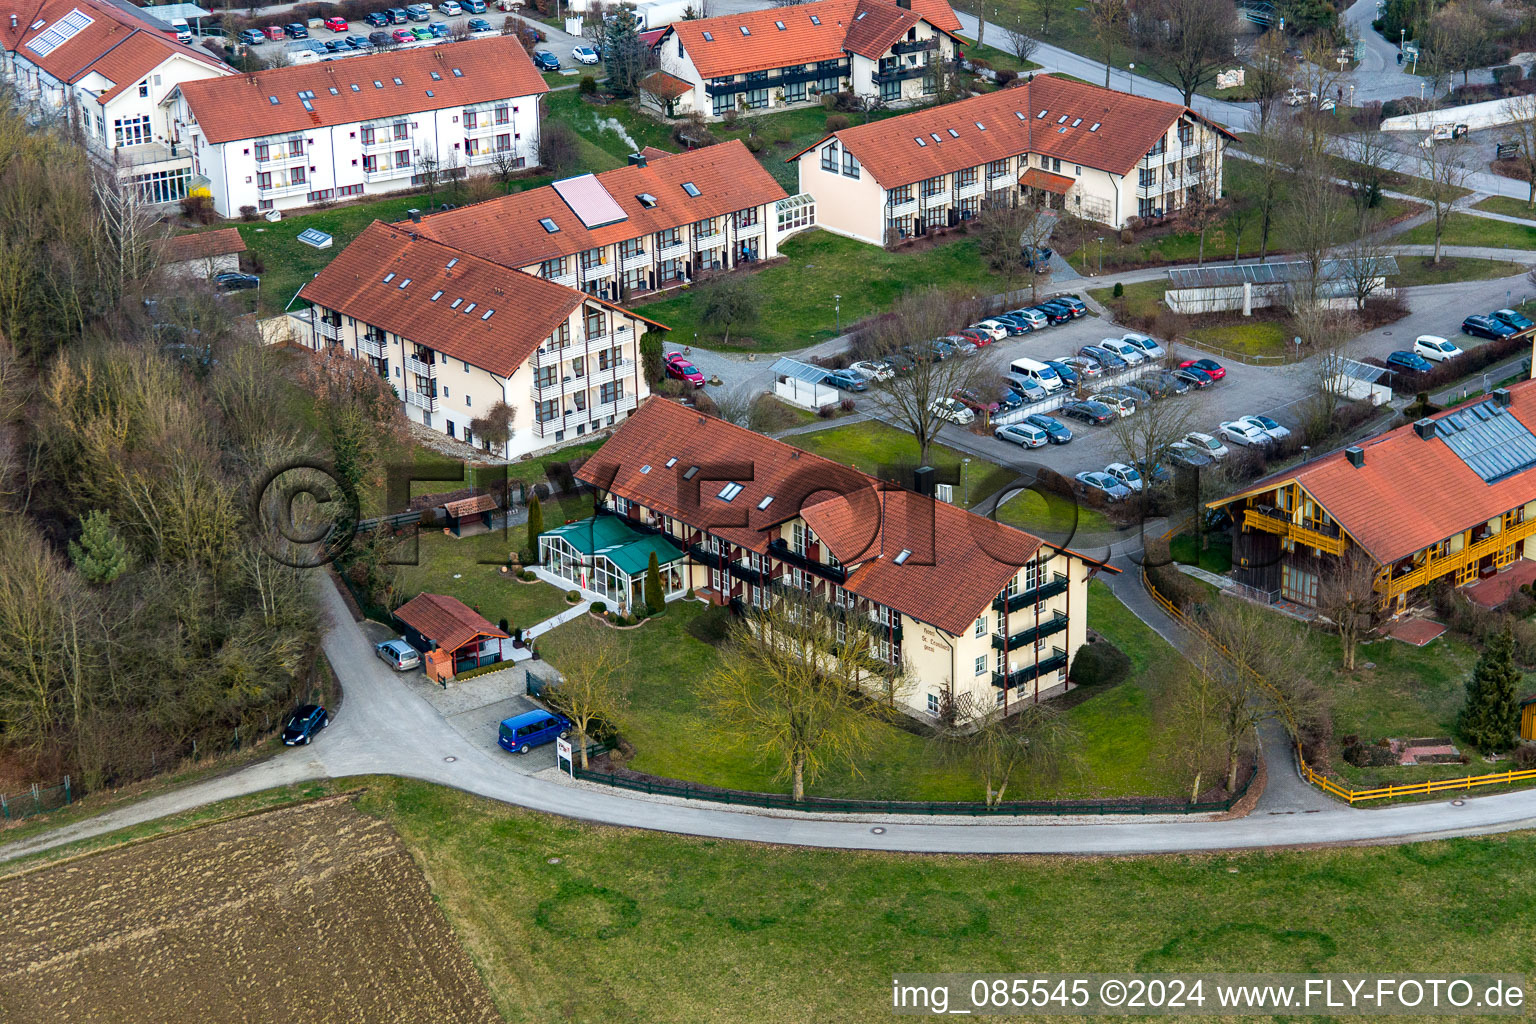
<point>475,513</point>
<point>452,636</point>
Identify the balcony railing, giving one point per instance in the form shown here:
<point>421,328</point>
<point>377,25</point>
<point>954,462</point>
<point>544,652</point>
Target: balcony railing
<point>704,556</point>
<point>282,190</point>
<point>749,230</point>
<point>568,279</point>
<point>709,241</point>
<point>781,550</point>
<point>675,251</point>
<point>385,173</point>
<point>904,208</point>
<point>420,367</point>
<point>967,191</point>
<point>1004,180</point>
<point>1272,520</point>
<point>773,80</point>
<point>916,45</point>
<point>1029,673</point>
<point>747,574</point>
<point>371,346</point>
<point>1027,637</point>
<point>421,401</point>
<point>381,143</point>
<point>282,156</point>
<point>1027,598</point>
<point>635,261</point>
<point>903,74</point>
<point>597,271</point>
<point>326,329</point>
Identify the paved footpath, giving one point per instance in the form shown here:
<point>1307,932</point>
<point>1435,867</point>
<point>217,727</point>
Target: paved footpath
<point>385,728</point>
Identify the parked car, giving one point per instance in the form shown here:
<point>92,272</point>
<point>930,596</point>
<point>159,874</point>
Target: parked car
<point>1408,362</point>
<point>1122,405</point>
<point>439,30</point>
<point>479,25</point>
<point>940,349</point>
<point>993,325</point>
<point>1126,476</point>
<point>1148,345</point>
<point>584,54</point>
<point>1053,314</point>
<point>421,33</point>
<point>380,40</point>
<point>398,15</point>
<point>1026,389</point>
<point>473,6</point>
<point>1085,366</point>
<point>398,655</point>
<point>274,32</point>
<point>418,12</point>
<point>1194,377</point>
<point>1162,384</point>
<point>230,281</point>
<point>1074,306</point>
<point>1135,394</point>
<point>1015,324</point>
<point>336,24</point>
<point>1245,433</point>
<point>1187,455</point>
<point>1206,444</point>
<point>252,36</point>
<point>1132,354</point>
<point>976,338</point>
<point>403,35</point>
<point>1435,349</point>
<point>530,729</point>
<point>378,19</point>
<point>1065,372</point>
<point>334,45</point>
<point>1105,484</point>
<point>303,723</point>
<point>1038,259</point>
<point>1025,435</point>
<point>974,402</point>
<point>296,31</point>
<point>1105,358</point>
<point>1056,430</point>
<point>1089,412</point>
<point>870,370</point>
<point>1519,321</point>
<point>1007,398</point>
<point>1269,425</point>
<point>545,61</point>
<point>450,9</point>
<point>679,368</point>
<point>1034,317</point>
<point>358,42</point>
<point>1480,326</point>
<point>1209,367</point>
<point>953,410</point>
<point>847,380</point>
<point>899,362</point>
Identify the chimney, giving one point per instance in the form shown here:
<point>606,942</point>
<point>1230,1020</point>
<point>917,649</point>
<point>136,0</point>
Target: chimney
<point>922,480</point>
<point>1356,456</point>
<point>1501,397</point>
<point>415,216</point>
<point>637,159</point>
<point>1425,428</point>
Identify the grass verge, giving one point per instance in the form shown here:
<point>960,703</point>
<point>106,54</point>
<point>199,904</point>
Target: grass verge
<point>1509,206</point>
<point>1466,229</point>
<point>869,447</point>
<point>1416,270</point>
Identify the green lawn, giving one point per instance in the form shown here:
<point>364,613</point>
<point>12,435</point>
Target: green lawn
<point>1395,181</point>
<point>1217,557</point>
<point>1417,270</point>
<point>1053,516</point>
<point>468,569</point>
<point>868,445</point>
<point>797,291</point>
<point>1465,229</point>
<point>658,926</point>
<point>674,738</point>
<point>1509,206</point>
<point>1142,299</point>
<point>1249,337</point>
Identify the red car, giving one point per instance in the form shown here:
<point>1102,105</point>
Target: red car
<point>336,24</point>
<point>981,339</point>
<point>974,402</point>
<point>404,35</point>
<point>274,31</point>
<point>1212,368</point>
<point>680,368</point>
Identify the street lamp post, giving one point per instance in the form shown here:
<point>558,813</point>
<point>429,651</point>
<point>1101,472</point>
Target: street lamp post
<point>1132,77</point>
<point>837,306</point>
<point>1101,254</point>
<point>965,481</point>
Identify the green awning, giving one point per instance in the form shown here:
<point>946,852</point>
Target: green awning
<point>610,537</point>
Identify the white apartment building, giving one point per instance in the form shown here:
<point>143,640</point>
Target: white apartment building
<point>107,68</point>
<point>765,60</point>
<point>1101,154</point>
<point>295,136</point>
<point>456,335</point>
<point>660,221</point>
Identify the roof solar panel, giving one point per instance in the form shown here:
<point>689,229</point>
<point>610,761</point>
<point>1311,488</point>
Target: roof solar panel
<point>1494,445</point>
<point>589,200</point>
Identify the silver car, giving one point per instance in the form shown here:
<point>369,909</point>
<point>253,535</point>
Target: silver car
<point>398,655</point>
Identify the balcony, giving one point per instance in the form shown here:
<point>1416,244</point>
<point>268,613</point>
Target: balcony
<point>714,559</point>
<point>568,279</point>
<point>749,230</point>
<point>326,329</point>
<point>384,143</point>
<point>279,158</point>
<point>1004,180</point>
<point>916,45</point>
<point>597,271</point>
<point>780,550</point>
<point>1028,637</point>
<point>676,251</point>
<point>747,574</point>
<point>371,346</point>
<point>624,404</point>
<point>1029,673</point>
<point>421,401</point>
<point>904,208</point>
<point>778,79</point>
<point>269,191</point>
<point>903,74</point>
<point>968,191</point>
<point>1272,520</point>
<point>932,199</point>
<point>637,261</point>
<point>610,373</point>
<point>1471,555</point>
<point>1029,598</point>
<point>713,241</point>
<point>420,367</point>
<point>386,173</point>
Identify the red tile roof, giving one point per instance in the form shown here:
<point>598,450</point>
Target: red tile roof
<point>1410,493</point>
<point>446,621</point>
<point>1000,124</point>
<point>240,107</point>
<point>120,44</point>
<point>664,85</point>
<point>524,309</point>
<point>1042,179</point>
<point>507,229</point>
<point>471,505</point>
<point>801,41</point>
<point>958,561</point>
<point>201,245</point>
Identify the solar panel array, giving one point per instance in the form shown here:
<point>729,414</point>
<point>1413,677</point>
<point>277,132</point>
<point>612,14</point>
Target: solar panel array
<point>1273,273</point>
<point>787,367</point>
<point>1493,443</point>
<point>63,30</point>
<point>590,201</point>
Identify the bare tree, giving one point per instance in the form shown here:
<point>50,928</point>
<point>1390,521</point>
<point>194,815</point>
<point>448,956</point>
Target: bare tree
<point>1369,162</point>
<point>1048,9</point>
<point>1270,175</point>
<point>1446,169</point>
<point>791,688</point>
<point>429,171</point>
<point>1003,243</point>
<point>1316,219</point>
<point>504,167</point>
<point>1365,262</point>
<point>494,429</point>
<point>1036,743</point>
<point>1203,204</point>
<point>1347,596</point>
<point>1320,76</point>
<point>1110,20</point>
<point>1020,43</point>
<point>1268,77</point>
<point>1460,37</point>
<point>1140,440</point>
<point>594,686</point>
<point>911,400</point>
<point>1522,109</point>
<point>1193,720</point>
<point>1325,333</point>
<point>1190,38</point>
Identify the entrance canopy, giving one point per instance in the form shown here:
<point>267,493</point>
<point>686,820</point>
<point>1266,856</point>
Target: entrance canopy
<point>1046,181</point>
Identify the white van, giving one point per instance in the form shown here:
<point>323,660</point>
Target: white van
<point>183,33</point>
<point>1038,372</point>
<point>1132,354</point>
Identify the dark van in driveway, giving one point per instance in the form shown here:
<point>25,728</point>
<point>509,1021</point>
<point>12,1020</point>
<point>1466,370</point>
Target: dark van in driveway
<point>522,733</point>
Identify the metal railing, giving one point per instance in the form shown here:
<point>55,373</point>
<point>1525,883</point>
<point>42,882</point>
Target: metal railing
<point>37,800</point>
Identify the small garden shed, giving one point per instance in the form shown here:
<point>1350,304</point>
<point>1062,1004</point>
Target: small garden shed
<point>452,637</point>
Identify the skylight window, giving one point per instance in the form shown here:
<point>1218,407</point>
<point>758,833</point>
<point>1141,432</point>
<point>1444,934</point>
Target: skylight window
<point>272,100</point>
<point>954,134</point>
<point>691,472</point>
<point>646,200</point>
<point>457,73</point>
<point>398,82</point>
<point>405,282</point>
<point>430,94</point>
<point>1019,114</point>
<point>1062,119</point>
<point>308,106</point>
<point>860,16</point>
<point>765,503</point>
<point>389,277</point>
<point>779,25</point>
<point>645,469</point>
<point>1041,114</point>
<point>1094,127</point>
<point>487,314</point>
<point>935,136</point>
<point>306,94</point>
<point>672,462</point>
<point>692,189</point>
<point>709,37</point>
<point>1076,121</point>
<point>745,31</point>
<point>378,84</point>
<point>63,30</point>
<point>905,554</point>
<point>455,303</point>
<point>335,91</point>
<point>729,491</point>
<point>356,87</point>
<point>437,76</point>
<point>548,225</point>
<point>920,140</point>
<point>470,308</point>
<point>436,295</point>
<point>980,127</point>
<point>815,20</point>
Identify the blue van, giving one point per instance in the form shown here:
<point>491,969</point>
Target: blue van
<point>528,730</point>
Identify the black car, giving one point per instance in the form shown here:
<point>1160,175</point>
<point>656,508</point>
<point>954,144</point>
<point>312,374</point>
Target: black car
<point>1064,371</point>
<point>1055,314</point>
<point>1057,431</point>
<point>1103,356</point>
<point>336,45</point>
<point>378,19</point>
<point>358,42</point>
<point>1195,378</point>
<point>381,40</point>
<point>1074,306</point>
<point>1162,384</point>
<point>397,16</point>
<point>296,31</point>
<point>1039,260</point>
<point>1090,412</point>
<point>1411,362</point>
<point>229,281</point>
<point>546,61</point>
<point>303,723</point>
<point>1480,326</point>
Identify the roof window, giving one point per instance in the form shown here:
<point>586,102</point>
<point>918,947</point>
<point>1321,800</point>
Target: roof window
<point>920,140</point>
<point>815,20</point>
<point>430,94</point>
<point>398,82</point>
<point>457,73</point>
<point>692,190</point>
<point>1076,121</point>
<point>905,554</point>
<point>272,100</point>
<point>690,472</point>
<point>356,87</point>
<point>980,127</point>
<point>436,295</point>
<point>672,462</point>
<point>548,225</point>
<point>470,308</point>
<point>645,469</point>
<point>487,314</point>
<point>646,200</point>
<point>765,503</point>
<point>860,16</point>
<point>405,282</point>
<point>1062,119</point>
<point>1094,127</point>
<point>954,134</point>
<point>709,37</point>
<point>451,263</point>
<point>745,31</point>
<point>1040,115</point>
<point>729,491</point>
<point>378,84</point>
<point>779,25</point>
<point>335,91</point>
<point>437,76</point>
<point>306,94</point>
<point>389,277</point>
<point>935,136</point>
<point>1019,114</point>
<point>455,303</point>
<point>308,106</point>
